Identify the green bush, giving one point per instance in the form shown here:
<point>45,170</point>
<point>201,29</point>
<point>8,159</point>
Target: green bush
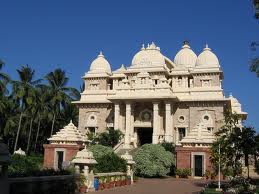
<point>169,146</point>
<point>107,160</point>
<point>110,138</point>
<point>25,164</point>
<point>110,163</point>
<point>100,150</point>
<point>183,172</point>
<point>153,161</point>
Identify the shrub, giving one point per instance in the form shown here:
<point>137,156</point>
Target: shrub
<point>110,138</point>
<point>110,163</point>
<point>183,172</point>
<point>100,150</point>
<point>170,147</point>
<point>25,164</point>
<point>153,161</point>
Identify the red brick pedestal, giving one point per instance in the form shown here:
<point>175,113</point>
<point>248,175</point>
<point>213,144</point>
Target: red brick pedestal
<point>49,153</point>
<point>184,156</point>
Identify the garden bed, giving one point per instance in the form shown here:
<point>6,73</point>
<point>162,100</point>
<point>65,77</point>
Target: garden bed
<point>110,180</point>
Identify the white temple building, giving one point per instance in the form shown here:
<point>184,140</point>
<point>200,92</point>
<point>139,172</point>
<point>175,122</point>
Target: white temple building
<point>156,99</point>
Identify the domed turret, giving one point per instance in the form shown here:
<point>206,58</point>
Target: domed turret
<point>207,59</point>
<point>148,57</point>
<point>185,57</point>
<point>100,65</point>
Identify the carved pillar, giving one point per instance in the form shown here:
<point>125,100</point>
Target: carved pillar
<point>117,116</point>
<point>128,125</point>
<point>168,123</point>
<point>132,121</point>
<point>155,123</point>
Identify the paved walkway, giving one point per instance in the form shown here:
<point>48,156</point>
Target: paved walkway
<point>159,186</point>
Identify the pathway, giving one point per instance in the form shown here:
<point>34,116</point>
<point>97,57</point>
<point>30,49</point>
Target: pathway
<point>159,186</point>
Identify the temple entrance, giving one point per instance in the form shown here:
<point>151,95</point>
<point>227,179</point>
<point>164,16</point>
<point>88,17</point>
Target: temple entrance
<point>144,135</point>
<point>198,165</point>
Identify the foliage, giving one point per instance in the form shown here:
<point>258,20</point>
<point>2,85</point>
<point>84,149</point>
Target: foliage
<point>25,164</point>
<point>26,109</point>
<point>183,172</point>
<point>153,161</point>
<point>256,7</point>
<point>240,185</point>
<point>254,66</point>
<point>234,143</point>
<point>110,138</point>
<point>110,163</point>
<point>99,151</point>
<point>169,146</point>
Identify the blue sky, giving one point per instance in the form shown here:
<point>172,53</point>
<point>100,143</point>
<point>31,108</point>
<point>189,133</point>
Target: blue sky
<point>69,34</point>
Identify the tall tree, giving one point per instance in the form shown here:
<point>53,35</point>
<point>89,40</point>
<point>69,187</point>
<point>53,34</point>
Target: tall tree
<point>23,93</point>
<point>247,144</point>
<point>254,66</point>
<point>256,6</point>
<point>42,108</point>
<point>59,92</point>
<point>4,79</point>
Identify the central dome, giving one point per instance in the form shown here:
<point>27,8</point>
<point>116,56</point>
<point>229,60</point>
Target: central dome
<point>149,56</point>
<point>185,57</point>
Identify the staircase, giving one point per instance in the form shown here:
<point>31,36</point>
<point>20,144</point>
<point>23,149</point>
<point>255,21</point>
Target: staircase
<point>120,150</point>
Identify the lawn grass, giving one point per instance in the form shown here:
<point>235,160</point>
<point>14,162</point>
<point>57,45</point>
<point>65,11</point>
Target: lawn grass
<point>211,191</point>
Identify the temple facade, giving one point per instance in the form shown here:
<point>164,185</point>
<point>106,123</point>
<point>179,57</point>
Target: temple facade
<point>157,99</point>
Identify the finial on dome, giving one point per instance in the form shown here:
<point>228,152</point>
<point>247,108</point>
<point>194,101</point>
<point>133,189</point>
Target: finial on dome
<point>71,121</point>
<point>206,47</point>
<point>143,47</point>
<point>101,54</point>
<point>186,44</point>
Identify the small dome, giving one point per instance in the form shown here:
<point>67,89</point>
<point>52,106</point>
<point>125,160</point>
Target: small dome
<point>149,56</point>
<point>207,58</point>
<point>100,65</point>
<point>185,57</point>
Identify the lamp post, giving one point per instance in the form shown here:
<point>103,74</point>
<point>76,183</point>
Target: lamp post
<point>219,166</point>
<point>219,188</point>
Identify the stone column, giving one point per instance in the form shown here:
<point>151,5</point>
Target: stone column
<point>132,121</point>
<point>128,125</point>
<point>155,123</point>
<point>116,116</point>
<point>168,123</point>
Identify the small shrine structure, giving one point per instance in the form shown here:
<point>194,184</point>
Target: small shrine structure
<point>63,146</point>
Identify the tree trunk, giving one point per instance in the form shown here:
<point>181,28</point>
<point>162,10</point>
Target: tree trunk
<point>53,122</point>
<point>29,138</point>
<point>37,135</point>
<point>18,132</point>
<point>248,171</point>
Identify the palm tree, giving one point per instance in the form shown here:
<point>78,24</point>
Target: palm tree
<point>42,108</point>
<point>31,114</point>
<point>23,93</point>
<point>60,93</point>
<point>4,78</point>
<point>69,112</point>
